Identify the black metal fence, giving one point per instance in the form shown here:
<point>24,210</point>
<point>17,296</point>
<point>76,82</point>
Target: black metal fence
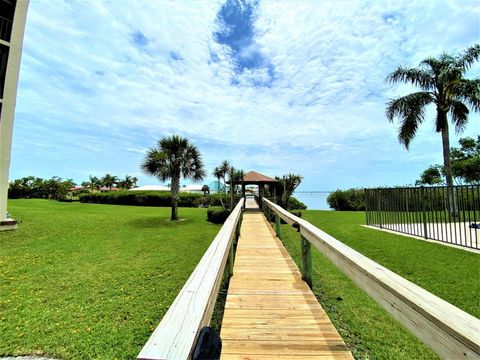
<point>450,215</point>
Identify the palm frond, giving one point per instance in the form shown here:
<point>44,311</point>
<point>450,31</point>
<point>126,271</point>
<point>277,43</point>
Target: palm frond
<point>410,110</point>
<point>418,77</point>
<point>467,91</point>
<point>459,113</point>
<point>469,56</point>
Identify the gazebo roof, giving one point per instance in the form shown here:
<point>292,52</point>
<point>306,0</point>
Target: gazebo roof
<point>257,178</point>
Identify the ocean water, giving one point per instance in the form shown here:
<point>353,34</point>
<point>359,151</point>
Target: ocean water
<point>314,201</point>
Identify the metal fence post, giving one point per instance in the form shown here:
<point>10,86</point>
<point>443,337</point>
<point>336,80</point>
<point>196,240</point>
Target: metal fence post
<point>424,214</point>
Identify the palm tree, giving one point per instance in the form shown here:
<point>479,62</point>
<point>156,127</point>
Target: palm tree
<point>235,176</point>
<point>217,172</point>
<point>172,158</point>
<point>290,183</point>
<point>134,181</point>
<point>225,168</point>
<point>205,189</point>
<point>109,180</point>
<point>442,84</point>
<point>128,182</point>
<point>94,183</point>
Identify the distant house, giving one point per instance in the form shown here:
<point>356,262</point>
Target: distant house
<point>192,189</point>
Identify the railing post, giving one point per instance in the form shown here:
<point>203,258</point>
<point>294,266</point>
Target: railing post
<point>424,214</point>
<point>306,261</point>
<point>278,228</point>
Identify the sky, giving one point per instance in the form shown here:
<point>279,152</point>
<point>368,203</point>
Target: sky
<point>273,86</point>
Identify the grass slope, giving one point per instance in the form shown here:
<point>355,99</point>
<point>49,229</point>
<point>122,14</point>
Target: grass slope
<point>82,281</point>
<point>369,331</point>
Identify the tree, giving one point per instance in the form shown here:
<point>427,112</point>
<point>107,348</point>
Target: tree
<point>224,169</point>
<point>172,158</point>
<point>290,182</point>
<point>95,183</point>
<point>109,180</point>
<point>235,176</point>
<point>205,189</point>
<point>466,161</point>
<point>443,85</point>
<point>127,183</point>
<point>431,176</point>
<point>218,173</point>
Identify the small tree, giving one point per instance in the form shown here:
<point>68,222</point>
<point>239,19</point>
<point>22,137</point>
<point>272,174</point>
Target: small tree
<point>290,182</point>
<point>205,189</point>
<point>174,157</point>
<point>431,176</point>
<point>466,161</point>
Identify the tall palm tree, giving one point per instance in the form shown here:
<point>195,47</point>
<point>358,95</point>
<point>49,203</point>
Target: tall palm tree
<point>225,168</point>
<point>174,157</point>
<point>94,183</point>
<point>218,173</point>
<point>442,84</point>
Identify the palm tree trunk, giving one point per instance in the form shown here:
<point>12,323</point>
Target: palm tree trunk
<point>231,193</point>
<point>447,164</point>
<point>175,190</point>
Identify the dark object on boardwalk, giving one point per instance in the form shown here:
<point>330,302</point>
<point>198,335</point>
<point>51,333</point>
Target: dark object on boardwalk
<point>474,226</point>
<point>209,345</point>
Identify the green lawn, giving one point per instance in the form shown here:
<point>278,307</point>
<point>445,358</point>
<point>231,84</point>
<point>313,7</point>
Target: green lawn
<point>369,331</point>
<point>80,281</point>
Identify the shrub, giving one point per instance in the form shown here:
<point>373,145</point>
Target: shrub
<point>217,215</point>
<point>351,199</point>
<point>296,213</point>
<point>139,198</point>
<point>214,200</point>
<point>295,204</point>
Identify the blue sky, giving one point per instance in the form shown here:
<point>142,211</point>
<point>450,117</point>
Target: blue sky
<point>271,86</point>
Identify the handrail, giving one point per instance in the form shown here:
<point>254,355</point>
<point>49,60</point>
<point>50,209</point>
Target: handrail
<point>448,330</point>
<point>175,336</point>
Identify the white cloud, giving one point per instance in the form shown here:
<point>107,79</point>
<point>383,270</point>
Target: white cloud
<point>83,78</point>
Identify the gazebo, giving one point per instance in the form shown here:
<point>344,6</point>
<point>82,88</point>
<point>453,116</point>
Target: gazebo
<point>255,178</point>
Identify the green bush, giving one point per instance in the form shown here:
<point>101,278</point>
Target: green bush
<point>140,198</point>
<point>296,213</point>
<point>214,200</point>
<point>217,215</point>
<point>295,204</point>
<point>343,200</point>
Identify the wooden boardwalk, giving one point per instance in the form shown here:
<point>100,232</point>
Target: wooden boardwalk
<point>270,312</point>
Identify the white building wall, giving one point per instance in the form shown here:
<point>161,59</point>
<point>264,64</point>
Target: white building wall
<point>9,98</point>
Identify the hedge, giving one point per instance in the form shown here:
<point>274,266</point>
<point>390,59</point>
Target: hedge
<point>155,198</point>
<point>351,199</point>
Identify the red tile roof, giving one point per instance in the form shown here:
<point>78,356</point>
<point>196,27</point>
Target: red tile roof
<point>253,176</point>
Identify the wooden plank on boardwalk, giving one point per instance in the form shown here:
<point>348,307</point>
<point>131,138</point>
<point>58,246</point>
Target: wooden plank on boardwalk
<point>270,312</point>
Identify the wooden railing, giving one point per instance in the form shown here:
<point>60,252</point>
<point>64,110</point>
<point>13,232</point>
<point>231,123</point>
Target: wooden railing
<point>449,331</point>
<point>176,335</point>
